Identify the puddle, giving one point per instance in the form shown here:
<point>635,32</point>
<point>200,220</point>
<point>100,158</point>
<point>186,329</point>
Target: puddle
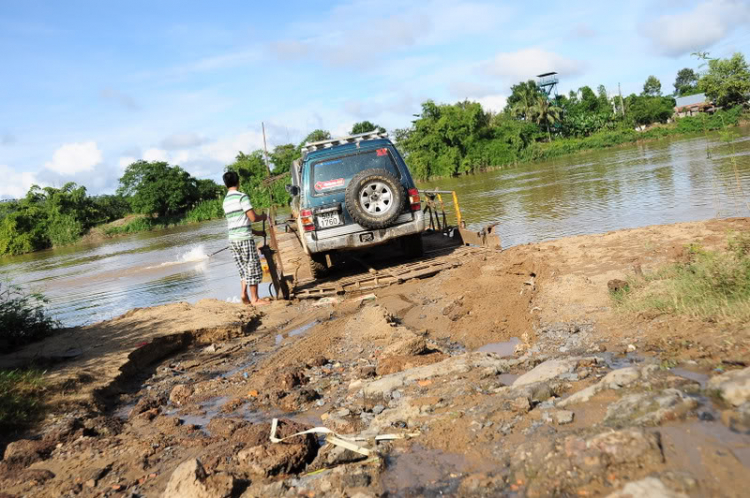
<point>202,416</point>
<point>616,361</point>
<point>698,377</point>
<point>295,332</point>
<point>501,349</point>
<point>252,359</point>
<point>702,448</point>
<point>507,379</point>
<point>424,472</point>
<point>123,411</point>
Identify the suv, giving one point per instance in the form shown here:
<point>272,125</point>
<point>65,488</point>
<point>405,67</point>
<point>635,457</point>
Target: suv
<point>351,193</point>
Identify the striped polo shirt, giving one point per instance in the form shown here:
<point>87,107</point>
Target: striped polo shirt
<point>236,204</point>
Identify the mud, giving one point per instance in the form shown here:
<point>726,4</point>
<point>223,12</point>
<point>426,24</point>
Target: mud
<point>511,375</point>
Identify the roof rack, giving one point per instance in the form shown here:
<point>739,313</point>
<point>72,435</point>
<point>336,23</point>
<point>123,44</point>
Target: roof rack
<point>327,144</point>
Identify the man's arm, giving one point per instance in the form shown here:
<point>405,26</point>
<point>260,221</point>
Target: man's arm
<point>255,217</point>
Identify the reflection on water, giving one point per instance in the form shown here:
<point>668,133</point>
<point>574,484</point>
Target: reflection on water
<point>645,184</point>
<point>653,183</point>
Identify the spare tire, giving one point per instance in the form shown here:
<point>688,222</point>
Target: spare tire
<point>375,198</point>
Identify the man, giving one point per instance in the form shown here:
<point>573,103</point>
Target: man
<point>240,216</point>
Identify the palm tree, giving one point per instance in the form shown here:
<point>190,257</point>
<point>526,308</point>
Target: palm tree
<point>545,112</point>
<point>528,94</point>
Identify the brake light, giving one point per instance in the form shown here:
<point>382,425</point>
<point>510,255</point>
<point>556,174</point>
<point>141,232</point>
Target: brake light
<point>414,201</point>
<point>306,217</point>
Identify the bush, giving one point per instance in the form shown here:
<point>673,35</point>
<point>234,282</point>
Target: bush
<point>23,318</point>
<point>711,285</point>
<point>20,399</point>
<point>205,210</point>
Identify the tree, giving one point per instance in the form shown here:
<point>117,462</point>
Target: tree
<point>254,180</point>
<point>157,187</point>
<point>317,136</point>
<point>522,98</point>
<point>364,127</point>
<point>282,158</point>
<point>645,110</point>
<point>544,113</point>
<point>727,81</point>
<point>686,82</point>
<point>652,87</point>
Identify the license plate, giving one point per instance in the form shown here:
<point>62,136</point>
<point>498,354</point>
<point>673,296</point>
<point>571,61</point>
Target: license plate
<point>327,220</point>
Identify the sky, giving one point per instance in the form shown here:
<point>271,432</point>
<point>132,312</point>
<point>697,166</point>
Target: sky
<point>88,87</point>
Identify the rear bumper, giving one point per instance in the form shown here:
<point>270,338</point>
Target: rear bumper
<point>332,239</point>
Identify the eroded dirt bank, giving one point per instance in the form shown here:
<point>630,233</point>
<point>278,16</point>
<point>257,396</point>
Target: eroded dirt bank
<point>511,375</point>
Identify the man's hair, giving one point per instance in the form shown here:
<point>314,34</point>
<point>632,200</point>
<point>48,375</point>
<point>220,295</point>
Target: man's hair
<point>231,179</point>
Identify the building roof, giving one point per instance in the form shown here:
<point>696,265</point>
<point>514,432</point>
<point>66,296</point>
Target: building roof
<point>698,98</point>
<point>545,74</point>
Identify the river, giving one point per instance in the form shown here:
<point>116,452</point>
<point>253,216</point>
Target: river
<point>658,182</point>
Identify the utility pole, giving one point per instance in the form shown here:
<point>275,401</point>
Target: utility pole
<point>622,105</point>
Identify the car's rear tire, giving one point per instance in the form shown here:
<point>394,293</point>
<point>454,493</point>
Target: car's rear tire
<point>412,246</point>
<point>375,198</point>
<point>318,265</point>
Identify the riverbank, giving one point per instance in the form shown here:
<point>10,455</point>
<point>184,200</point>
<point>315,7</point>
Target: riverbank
<point>517,373</point>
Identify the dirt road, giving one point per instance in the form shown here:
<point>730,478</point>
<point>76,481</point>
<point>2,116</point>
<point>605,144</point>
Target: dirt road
<point>511,375</point>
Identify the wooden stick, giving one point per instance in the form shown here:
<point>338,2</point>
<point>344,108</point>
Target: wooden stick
<point>276,267</point>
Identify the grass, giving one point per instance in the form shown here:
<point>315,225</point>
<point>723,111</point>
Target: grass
<point>23,318</point>
<point>712,285</point>
<point>203,211</point>
<point>21,399</point>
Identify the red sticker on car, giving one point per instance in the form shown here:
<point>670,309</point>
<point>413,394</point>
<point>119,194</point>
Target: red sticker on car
<point>329,184</point>
<point>382,152</point>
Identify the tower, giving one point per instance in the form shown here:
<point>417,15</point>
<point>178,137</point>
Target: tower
<point>547,82</point>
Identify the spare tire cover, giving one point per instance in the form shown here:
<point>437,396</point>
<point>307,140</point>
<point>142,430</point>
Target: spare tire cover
<point>375,198</point>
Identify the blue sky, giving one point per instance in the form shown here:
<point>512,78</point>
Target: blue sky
<point>87,86</point>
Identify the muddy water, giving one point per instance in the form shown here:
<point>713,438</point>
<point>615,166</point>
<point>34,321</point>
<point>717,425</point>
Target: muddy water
<point>658,182</point>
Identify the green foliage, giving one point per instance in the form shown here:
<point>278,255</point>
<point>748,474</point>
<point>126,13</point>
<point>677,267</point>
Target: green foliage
<point>686,82</point>
<point>545,114</point>
<point>282,158</point>
<point>254,181</point>
<point>157,187</point>
<point>316,136</point>
<point>23,318</point>
<point>364,127</point>
<point>205,210</point>
<point>652,87</point>
<point>645,109</point>
<point>21,399</point>
<point>523,96</point>
<point>713,285</point>
<point>727,81</point>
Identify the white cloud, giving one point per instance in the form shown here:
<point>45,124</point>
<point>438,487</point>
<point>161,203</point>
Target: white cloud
<point>527,63</point>
<point>154,154</point>
<point>494,103</point>
<point>225,149</point>
<point>697,29</point>
<point>15,185</point>
<point>126,161</point>
<point>75,157</point>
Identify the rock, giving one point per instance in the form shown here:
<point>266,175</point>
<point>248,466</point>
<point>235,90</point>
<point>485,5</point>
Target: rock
<point>621,377</point>
<point>631,348</point>
<point>411,345</point>
<point>24,452</point>
<point>650,487</point>
<point>650,408</point>
<point>36,476</point>
<point>733,387</point>
<point>378,409</point>
<point>452,366</point>
<point>292,378</point>
<point>225,427</point>
<point>564,417</point>
<point>180,393</point>
<point>581,396</point>
<point>546,371</point>
<point>189,480</point>
<point>617,285</point>
<point>366,372</point>
<point>317,361</point>
<point>261,457</point>
<point>521,404</point>
<point>145,404</point>
<point>393,364</point>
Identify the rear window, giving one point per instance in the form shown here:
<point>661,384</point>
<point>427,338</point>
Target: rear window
<point>332,174</point>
